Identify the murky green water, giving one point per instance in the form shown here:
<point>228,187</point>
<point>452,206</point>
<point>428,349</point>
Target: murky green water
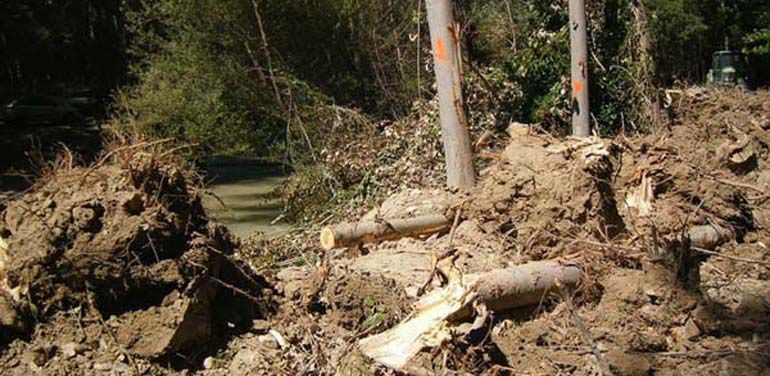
<point>247,205</point>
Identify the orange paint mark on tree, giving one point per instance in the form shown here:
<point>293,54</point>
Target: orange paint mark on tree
<point>577,87</point>
<point>440,50</point>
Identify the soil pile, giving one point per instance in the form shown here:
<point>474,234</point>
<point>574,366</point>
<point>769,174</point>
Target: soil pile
<point>656,299</point>
<point>119,264</point>
<point>670,229</point>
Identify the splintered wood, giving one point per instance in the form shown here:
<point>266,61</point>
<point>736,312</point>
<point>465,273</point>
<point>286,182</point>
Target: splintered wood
<point>498,290</point>
<point>352,234</point>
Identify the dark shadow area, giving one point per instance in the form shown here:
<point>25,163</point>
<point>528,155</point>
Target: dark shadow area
<point>25,149</point>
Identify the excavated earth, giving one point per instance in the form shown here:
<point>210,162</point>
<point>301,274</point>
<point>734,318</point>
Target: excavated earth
<point>620,208</point>
<point>115,269</point>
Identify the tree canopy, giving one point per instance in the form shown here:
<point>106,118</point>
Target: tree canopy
<point>245,76</point>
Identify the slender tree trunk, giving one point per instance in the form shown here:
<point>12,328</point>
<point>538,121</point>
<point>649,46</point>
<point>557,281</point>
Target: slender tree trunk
<point>649,81</point>
<point>454,130</point>
<point>581,125</point>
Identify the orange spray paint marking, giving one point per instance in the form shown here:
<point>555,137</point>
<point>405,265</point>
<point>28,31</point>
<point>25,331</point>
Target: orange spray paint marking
<point>577,87</point>
<point>441,51</point>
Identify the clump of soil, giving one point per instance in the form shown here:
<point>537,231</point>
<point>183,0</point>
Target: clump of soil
<point>122,249</point>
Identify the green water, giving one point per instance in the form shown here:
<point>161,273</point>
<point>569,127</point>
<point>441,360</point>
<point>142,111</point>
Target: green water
<point>247,204</point>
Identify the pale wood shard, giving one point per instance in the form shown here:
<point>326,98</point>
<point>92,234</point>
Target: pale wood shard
<point>3,254</point>
<point>351,234</point>
<point>642,197</point>
<point>499,290</point>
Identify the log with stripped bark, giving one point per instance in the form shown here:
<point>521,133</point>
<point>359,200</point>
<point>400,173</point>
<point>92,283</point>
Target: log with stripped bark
<point>352,234</point>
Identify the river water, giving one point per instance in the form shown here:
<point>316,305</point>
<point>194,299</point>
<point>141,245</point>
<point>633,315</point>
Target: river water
<point>243,197</point>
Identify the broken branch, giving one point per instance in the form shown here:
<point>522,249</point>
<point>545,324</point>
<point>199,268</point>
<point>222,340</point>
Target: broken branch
<point>499,290</point>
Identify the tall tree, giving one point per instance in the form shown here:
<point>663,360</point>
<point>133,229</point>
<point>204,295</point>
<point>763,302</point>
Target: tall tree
<point>581,126</point>
<point>447,65</point>
<point>645,58</point>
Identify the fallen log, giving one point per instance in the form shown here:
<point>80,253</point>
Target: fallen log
<point>498,290</point>
<point>351,234</point>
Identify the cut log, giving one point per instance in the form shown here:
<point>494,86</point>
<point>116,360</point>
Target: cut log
<point>498,290</point>
<point>351,234</point>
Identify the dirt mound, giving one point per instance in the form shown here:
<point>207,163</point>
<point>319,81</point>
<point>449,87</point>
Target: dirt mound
<point>670,229</point>
<point>125,247</point>
<point>655,299</point>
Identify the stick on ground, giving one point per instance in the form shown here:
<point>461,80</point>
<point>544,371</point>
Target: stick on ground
<point>352,234</point>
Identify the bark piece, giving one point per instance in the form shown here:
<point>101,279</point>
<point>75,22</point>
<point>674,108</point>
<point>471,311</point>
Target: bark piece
<point>499,290</point>
<point>351,234</point>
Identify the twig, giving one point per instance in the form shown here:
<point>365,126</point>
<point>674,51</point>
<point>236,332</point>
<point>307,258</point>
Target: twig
<point>580,324</point>
<point>695,354</point>
<point>455,223</point>
<point>174,150</point>
<point>451,252</point>
<point>266,51</point>
<point>603,245</point>
<point>734,258</point>
<point>740,185</point>
<point>237,290</point>
<point>122,148</point>
<point>109,331</point>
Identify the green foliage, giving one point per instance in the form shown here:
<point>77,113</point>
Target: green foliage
<point>529,42</point>
<point>204,77</point>
<point>539,68</point>
<point>758,42</point>
<point>679,31</point>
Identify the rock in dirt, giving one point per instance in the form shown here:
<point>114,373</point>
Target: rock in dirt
<point>104,367</point>
<point>70,349</point>
<point>740,289</point>
<point>260,326</point>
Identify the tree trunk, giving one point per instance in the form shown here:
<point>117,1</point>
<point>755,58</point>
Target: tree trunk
<point>649,81</point>
<point>497,290</point>
<point>581,125</point>
<point>351,234</point>
<point>454,130</point>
